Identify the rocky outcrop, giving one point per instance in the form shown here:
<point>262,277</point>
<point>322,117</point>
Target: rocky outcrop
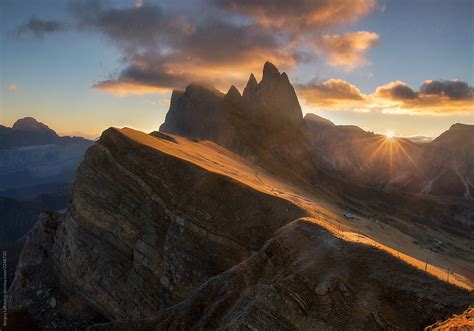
<point>194,113</point>
<point>40,294</point>
<point>167,233</point>
<point>264,124</point>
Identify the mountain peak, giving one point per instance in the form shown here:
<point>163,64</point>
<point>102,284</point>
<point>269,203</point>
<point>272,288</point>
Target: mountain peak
<point>270,71</point>
<point>461,127</point>
<point>233,96</point>
<point>31,125</point>
<point>202,87</point>
<point>251,84</point>
<point>319,121</point>
<point>233,92</point>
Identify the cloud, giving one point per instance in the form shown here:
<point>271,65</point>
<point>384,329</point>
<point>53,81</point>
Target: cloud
<point>348,50</point>
<point>396,90</point>
<point>453,89</point>
<point>332,93</point>
<point>11,87</point>
<point>123,88</point>
<point>39,27</point>
<point>144,25</point>
<point>395,97</point>
<point>304,22</point>
<point>166,46</point>
<point>165,50</point>
<point>299,15</point>
<point>434,97</point>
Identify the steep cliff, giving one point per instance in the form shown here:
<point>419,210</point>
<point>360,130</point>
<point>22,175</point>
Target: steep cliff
<point>151,220</point>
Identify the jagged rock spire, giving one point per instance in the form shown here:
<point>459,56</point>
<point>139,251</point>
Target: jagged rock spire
<point>270,71</point>
<point>233,96</point>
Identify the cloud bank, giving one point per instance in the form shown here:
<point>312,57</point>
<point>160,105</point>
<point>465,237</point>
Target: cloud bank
<point>433,98</point>
<point>166,46</point>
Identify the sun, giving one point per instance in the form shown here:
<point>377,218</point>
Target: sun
<point>389,134</point>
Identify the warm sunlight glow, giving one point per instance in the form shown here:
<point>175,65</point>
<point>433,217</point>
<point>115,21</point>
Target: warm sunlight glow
<point>389,134</point>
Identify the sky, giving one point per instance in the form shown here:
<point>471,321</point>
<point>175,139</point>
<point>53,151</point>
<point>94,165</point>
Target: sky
<point>83,66</point>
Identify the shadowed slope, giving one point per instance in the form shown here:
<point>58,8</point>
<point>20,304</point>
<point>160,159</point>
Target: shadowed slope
<point>188,234</point>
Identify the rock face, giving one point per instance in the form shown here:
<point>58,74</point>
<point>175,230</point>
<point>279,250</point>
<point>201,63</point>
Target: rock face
<point>17,218</point>
<point>194,113</point>
<point>264,124</point>
<point>169,233</point>
<point>39,286</point>
<point>169,225</point>
<point>305,279</point>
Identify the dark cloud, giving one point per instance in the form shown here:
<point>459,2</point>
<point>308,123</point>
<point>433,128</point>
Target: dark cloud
<point>146,73</point>
<point>453,89</point>
<point>147,25</point>
<point>164,49</point>
<point>39,27</point>
<point>434,97</point>
<point>166,46</point>
<point>396,91</point>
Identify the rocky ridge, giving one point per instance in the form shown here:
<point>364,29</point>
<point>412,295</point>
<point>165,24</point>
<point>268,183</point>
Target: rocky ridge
<point>264,124</point>
<point>169,233</point>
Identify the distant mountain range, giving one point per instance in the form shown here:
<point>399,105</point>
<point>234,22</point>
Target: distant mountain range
<point>33,154</point>
<point>443,166</point>
<point>37,168</point>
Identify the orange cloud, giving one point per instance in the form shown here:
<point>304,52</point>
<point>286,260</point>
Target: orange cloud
<point>396,90</point>
<point>348,50</point>
<point>430,105</point>
<point>332,93</point>
<point>434,97</point>
<point>151,73</point>
<point>164,47</point>
<point>124,88</point>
